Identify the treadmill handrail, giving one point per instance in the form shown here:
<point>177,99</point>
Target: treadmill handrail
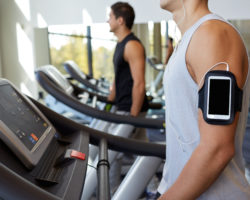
<point>91,94</point>
<point>103,98</point>
<point>68,67</point>
<point>153,65</point>
<point>62,96</point>
<point>116,143</point>
<point>103,192</point>
<point>75,75</point>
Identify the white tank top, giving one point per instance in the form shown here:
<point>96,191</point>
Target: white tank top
<point>182,130</point>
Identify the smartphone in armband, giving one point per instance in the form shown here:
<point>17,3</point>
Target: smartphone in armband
<point>220,98</point>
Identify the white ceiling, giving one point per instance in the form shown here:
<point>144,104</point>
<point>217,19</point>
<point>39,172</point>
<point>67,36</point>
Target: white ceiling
<point>56,12</point>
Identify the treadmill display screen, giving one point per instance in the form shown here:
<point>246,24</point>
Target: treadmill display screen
<point>20,118</point>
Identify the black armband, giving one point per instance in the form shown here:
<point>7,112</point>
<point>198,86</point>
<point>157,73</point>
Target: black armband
<point>220,97</point>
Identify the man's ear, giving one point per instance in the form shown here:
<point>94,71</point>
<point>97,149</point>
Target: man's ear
<point>120,20</point>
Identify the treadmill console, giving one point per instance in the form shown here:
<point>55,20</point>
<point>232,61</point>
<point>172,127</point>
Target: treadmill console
<point>23,128</point>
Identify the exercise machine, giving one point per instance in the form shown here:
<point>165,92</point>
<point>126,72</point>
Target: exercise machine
<point>123,130</point>
<point>44,155</point>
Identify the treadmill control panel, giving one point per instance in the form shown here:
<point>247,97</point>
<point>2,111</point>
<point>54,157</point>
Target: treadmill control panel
<point>22,127</point>
<point>26,124</point>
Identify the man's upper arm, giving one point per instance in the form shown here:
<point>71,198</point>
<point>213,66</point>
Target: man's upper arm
<point>216,42</point>
<point>135,56</point>
<point>212,43</point>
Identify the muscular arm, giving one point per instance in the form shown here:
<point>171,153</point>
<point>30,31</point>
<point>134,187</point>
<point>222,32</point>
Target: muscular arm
<point>134,55</point>
<point>212,43</point>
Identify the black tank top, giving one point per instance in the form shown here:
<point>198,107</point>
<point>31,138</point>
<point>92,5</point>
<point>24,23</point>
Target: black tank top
<point>123,77</point>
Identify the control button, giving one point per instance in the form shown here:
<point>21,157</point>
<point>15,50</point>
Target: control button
<point>32,140</point>
<point>34,136</point>
<point>77,154</point>
<point>20,136</point>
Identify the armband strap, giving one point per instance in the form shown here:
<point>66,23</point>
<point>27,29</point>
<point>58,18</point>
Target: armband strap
<point>201,98</point>
<point>238,100</point>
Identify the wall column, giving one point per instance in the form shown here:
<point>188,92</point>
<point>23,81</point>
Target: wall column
<point>157,41</point>
<point>41,47</point>
<point>141,31</point>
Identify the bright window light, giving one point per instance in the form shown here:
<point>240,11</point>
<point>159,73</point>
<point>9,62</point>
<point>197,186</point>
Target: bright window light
<point>151,25</point>
<point>108,10</point>
<point>24,6</point>
<point>25,90</point>
<point>163,27</point>
<point>174,31</point>
<point>86,18</point>
<point>41,21</point>
<point>25,52</point>
<point>59,41</point>
<point>104,38</point>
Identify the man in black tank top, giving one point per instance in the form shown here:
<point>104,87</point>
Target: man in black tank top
<point>128,90</point>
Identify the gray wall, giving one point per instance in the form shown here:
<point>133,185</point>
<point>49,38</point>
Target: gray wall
<point>17,63</point>
<point>244,27</point>
<point>41,47</point>
<point>70,12</point>
<point>0,60</point>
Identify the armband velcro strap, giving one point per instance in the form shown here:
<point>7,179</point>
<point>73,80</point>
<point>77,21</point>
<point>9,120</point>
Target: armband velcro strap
<point>201,98</point>
<point>238,100</point>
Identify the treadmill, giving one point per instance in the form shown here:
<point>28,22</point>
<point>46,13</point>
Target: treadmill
<point>53,88</point>
<point>44,155</point>
<point>29,146</point>
<point>48,78</point>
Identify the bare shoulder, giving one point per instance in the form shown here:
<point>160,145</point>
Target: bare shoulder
<point>134,45</point>
<point>217,41</point>
<point>134,48</point>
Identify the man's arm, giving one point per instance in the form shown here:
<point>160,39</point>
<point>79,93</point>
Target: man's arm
<point>169,53</point>
<point>111,96</point>
<point>134,55</point>
<point>213,42</point>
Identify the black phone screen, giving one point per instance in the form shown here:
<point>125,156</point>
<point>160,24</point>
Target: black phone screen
<point>219,97</point>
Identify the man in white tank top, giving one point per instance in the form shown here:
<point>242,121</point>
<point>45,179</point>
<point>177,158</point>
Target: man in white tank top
<point>203,161</point>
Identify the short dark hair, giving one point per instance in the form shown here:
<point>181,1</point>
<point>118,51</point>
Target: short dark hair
<point>124,10</point>
<point>171,39</point>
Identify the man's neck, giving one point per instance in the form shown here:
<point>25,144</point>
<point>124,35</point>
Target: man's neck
<point>193,12</point>
<point>122,33</point>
